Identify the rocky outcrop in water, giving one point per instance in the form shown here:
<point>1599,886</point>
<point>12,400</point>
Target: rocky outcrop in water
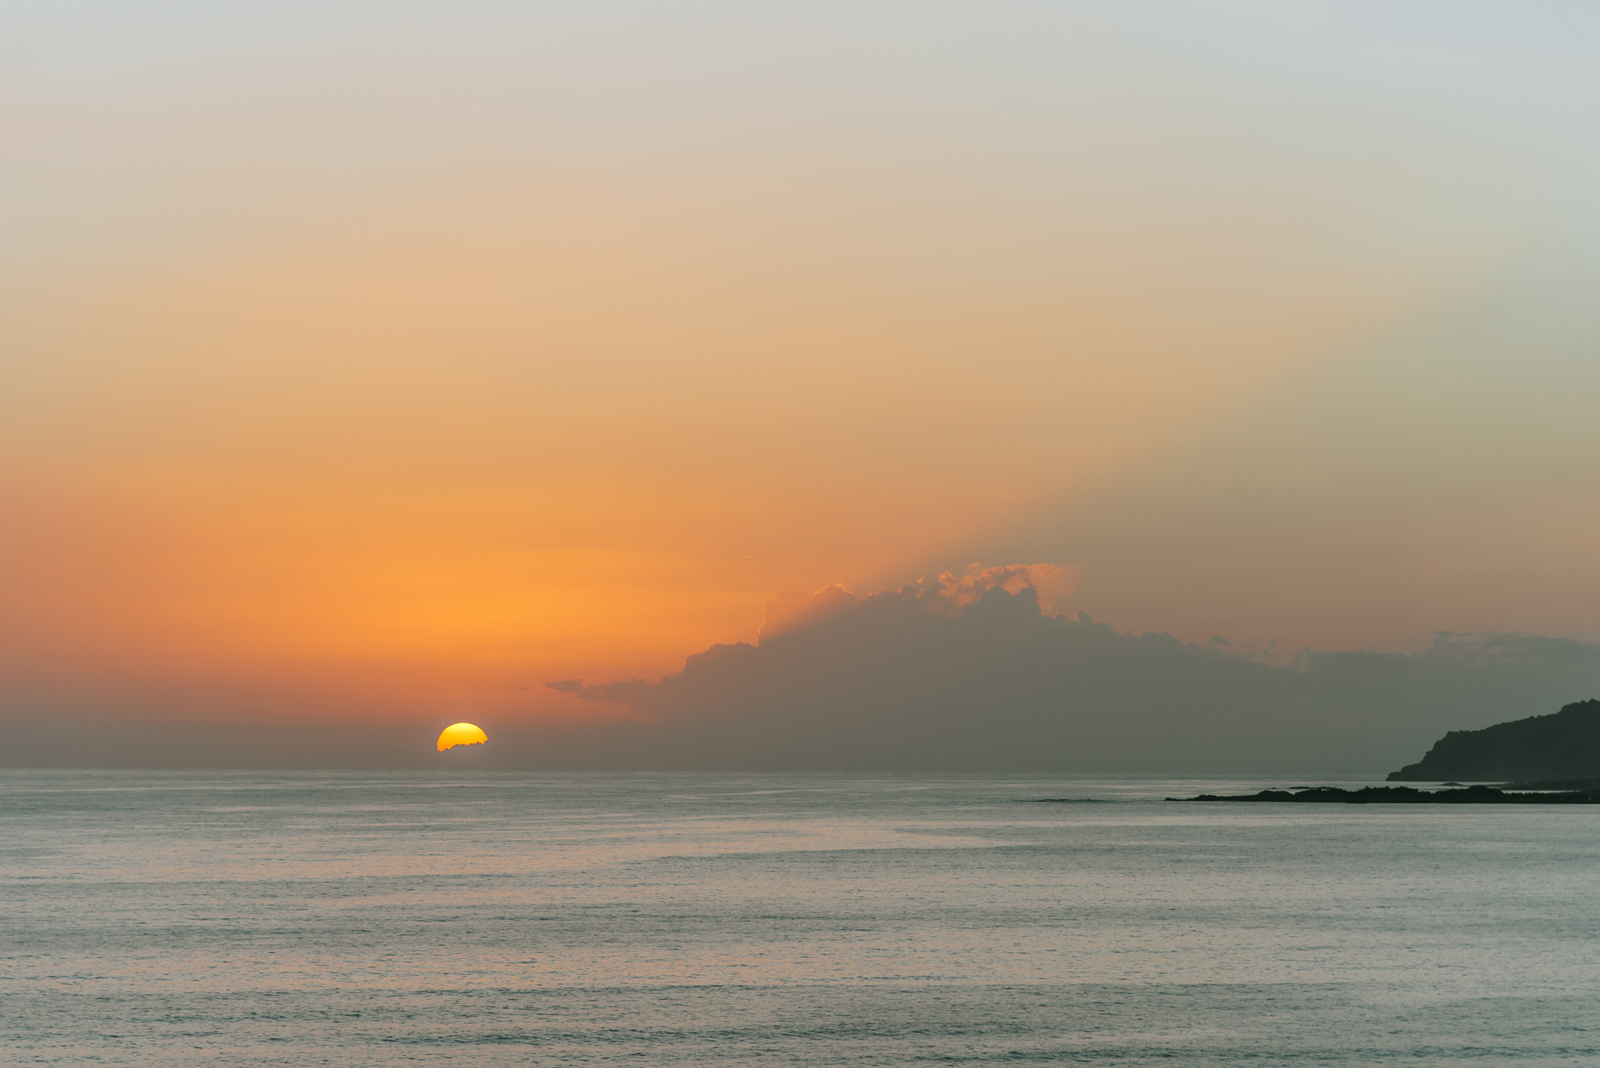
<point>1406,795</point>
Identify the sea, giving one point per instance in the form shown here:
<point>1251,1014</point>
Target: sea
<point>474,918</point>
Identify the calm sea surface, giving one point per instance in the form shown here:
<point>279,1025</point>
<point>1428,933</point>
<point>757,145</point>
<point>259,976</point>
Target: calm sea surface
<point>240,918</point>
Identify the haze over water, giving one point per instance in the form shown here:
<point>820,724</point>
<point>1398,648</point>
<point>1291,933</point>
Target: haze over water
<point>292,918</point>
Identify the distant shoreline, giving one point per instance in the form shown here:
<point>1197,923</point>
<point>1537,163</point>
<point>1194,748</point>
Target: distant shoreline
<point>1406,795</point>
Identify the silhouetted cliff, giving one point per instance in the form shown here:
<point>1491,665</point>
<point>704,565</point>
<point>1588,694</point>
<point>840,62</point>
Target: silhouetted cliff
<point>1565,745</point>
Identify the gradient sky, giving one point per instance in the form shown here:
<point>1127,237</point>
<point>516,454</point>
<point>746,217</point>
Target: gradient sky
<point>395,358</point>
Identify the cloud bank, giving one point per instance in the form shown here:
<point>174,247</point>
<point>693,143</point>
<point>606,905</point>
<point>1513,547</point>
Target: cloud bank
<point>970,673</point>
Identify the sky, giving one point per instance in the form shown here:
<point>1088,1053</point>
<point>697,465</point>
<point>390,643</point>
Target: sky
<point>377,364</point>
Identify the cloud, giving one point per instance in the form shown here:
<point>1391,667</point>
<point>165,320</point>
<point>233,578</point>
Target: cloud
<point>626,692</point>
<point>1053,584</point>
<point>968,674</point>
<point>793,610</point>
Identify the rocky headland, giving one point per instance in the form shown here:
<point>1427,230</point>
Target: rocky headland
<point>1563,748</point>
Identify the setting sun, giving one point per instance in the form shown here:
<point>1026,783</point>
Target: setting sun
<point>461,734</point>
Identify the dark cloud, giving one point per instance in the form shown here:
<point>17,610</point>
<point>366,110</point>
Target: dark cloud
<point>889,683</point>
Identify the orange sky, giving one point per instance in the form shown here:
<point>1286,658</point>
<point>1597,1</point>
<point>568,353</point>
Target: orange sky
<point>424,365</point>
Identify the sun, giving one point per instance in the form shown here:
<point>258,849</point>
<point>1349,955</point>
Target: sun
<point>461,734</point>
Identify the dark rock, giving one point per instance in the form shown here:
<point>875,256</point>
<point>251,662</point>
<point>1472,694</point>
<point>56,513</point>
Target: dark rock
<point>1562,785</point>
<point>1406,795</point>
<point>1066,801</point>
<point>1560,747</point>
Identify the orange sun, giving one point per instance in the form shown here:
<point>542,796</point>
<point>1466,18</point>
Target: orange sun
<point>461,734</point>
